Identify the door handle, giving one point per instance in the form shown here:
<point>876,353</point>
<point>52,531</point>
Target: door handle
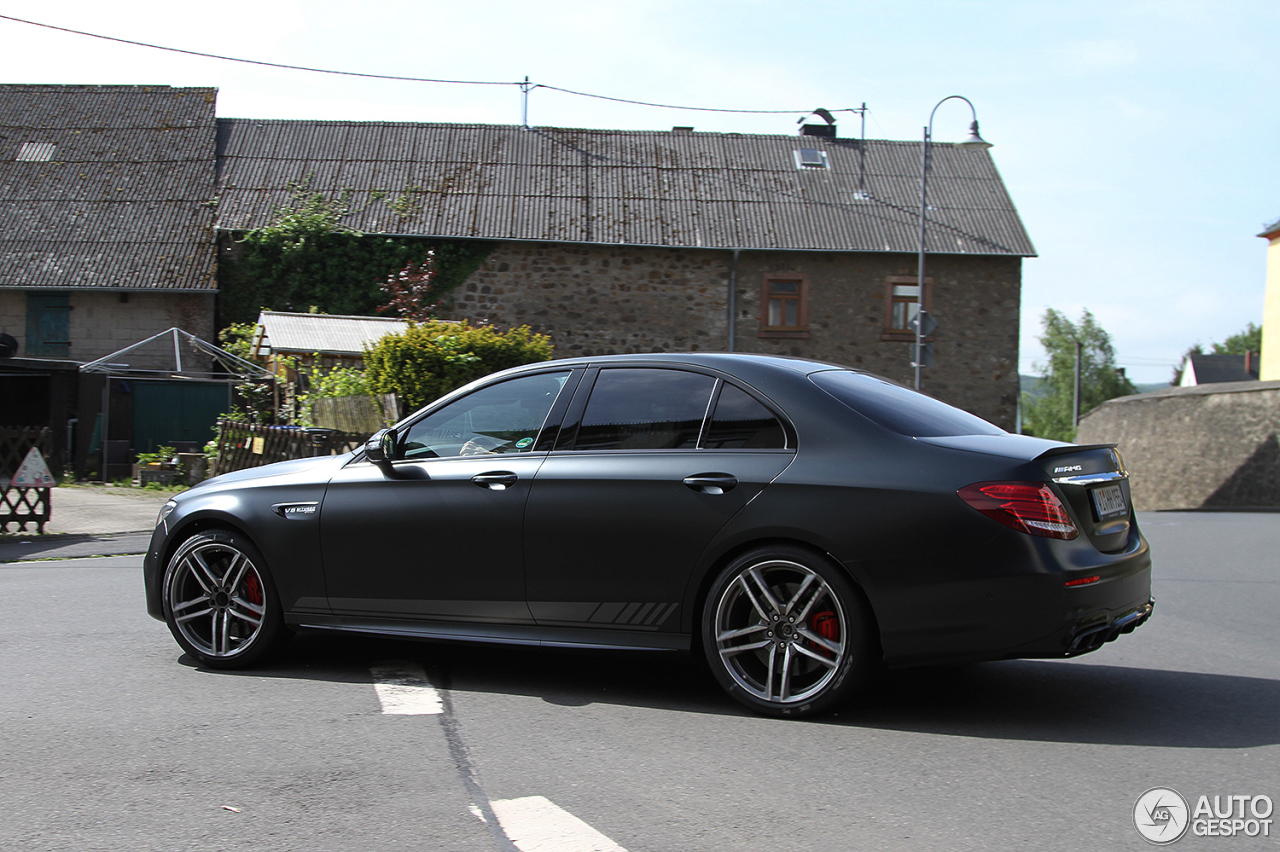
<point>711,483</point>
<point>499,480</point>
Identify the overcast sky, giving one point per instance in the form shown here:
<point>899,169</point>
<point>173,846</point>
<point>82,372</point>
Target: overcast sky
<point>1138,138</point>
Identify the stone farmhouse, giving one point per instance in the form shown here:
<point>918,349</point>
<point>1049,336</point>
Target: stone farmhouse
<point>106,227</point>
<point>608,241</point>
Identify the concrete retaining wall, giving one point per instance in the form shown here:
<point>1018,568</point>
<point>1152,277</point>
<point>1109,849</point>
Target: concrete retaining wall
<point>1201,447</point>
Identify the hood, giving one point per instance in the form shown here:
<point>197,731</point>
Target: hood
<point>284,468</point>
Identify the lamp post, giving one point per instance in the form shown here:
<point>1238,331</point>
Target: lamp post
<point>972,141</point>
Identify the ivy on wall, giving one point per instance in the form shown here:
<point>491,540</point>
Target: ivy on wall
<point>305,259</point>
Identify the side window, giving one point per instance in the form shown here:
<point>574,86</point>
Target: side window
<point>501,418</point>
<point>645,409</point>
<point>901,304</point>
<point>741,422</point>
<point>784,306</point>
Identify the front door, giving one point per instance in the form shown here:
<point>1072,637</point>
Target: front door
<point>435,533</point>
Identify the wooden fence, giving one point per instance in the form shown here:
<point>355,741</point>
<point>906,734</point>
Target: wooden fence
<point>22,506</point>
<point>356,414</point>
<point>243,445</point>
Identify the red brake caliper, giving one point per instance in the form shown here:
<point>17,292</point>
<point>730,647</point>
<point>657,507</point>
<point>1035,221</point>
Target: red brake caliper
<point>826,625</point>
<point>253,589</point>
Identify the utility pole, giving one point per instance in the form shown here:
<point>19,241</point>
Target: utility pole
<point>1075,408</point>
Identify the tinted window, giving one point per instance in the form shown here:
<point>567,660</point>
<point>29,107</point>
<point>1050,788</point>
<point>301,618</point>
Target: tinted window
<point>741,422</point>
<point>645,409</point>
<point>900,409</point>
<point>501,418</point>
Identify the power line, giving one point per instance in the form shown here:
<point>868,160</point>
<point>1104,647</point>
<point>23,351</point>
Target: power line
<point>525,86</point>
<point>698,109</point>
<point>256,61</point>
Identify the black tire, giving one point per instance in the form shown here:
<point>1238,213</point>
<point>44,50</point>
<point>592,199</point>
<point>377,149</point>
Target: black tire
<point>220,602</point>
<point>786,633</point>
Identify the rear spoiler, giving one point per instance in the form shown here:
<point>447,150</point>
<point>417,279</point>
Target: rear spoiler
<point>1066,449</point>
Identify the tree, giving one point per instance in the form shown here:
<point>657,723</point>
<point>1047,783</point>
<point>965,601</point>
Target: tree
<point>1249,340</point>
<point>1049,414</point>
<point>411,292</point>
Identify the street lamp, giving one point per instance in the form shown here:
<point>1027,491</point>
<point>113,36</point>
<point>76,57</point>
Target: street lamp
<point>973,140</point>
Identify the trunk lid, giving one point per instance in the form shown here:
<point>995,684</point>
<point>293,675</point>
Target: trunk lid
<point>1094,483</point>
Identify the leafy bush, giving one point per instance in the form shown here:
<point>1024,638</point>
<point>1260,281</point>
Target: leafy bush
<point>341,381</point>
<point>162,455</point>
<point>237,339</point>
<point>426,361</point>
<point>306,258</point>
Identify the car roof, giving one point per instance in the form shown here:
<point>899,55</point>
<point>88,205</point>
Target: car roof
<point>729,362</point>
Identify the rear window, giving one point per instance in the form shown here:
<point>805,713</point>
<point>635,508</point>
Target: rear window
<point>900,409</point>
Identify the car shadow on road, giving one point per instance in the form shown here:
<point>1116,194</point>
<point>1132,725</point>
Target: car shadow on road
<point>1036,700</point>
<point>1074,702</point>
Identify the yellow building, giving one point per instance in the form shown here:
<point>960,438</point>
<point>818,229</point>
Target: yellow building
<point>1271,308</point>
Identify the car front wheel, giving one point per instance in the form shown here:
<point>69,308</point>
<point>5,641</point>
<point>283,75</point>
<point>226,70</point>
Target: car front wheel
<point>786,633</point>
<point>219,601</point>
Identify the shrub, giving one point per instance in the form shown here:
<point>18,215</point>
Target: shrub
<point>426,361</point>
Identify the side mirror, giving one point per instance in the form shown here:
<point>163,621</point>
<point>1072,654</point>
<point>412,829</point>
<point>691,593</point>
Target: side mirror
<point>381,446</point>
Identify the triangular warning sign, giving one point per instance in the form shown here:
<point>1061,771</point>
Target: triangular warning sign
<point>33,472</point>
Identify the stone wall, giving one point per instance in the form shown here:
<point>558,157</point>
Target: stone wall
<point>102,323</point>
<point>1200,447</point>
<point>598,300</point>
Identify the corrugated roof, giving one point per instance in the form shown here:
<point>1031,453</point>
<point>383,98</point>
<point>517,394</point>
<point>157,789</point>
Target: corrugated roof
<point>712,190</point>
<point>121,202</point>
<point>328,333</point>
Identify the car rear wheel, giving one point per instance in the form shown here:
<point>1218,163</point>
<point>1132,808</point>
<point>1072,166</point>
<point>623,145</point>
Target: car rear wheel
<point>219,601</point>
<point>786,633</point>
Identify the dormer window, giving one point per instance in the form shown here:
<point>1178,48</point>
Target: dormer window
<point>811,158</point>
<point>36,152</point>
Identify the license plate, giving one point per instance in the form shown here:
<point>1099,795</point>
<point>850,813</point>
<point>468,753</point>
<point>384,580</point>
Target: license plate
<point>1108,502</point>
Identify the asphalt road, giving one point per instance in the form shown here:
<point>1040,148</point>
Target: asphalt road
<point>110,739</point>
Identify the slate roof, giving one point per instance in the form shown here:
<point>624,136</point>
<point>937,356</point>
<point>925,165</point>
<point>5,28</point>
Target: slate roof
<point>1215,369</point>
<point>282,332</point>
<point>678,189</point>
<point>107,187</point>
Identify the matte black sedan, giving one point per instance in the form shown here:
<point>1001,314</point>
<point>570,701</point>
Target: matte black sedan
<point>795,522</point>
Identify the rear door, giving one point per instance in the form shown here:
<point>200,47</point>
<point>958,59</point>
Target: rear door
<point>650,466</point>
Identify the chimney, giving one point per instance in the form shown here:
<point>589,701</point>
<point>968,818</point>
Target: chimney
<point>828,129</point>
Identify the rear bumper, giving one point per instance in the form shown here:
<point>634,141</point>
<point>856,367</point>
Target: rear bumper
<point>1013,601</point>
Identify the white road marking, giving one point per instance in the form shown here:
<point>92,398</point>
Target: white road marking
<point>404,690</point>
<point>536,824</point>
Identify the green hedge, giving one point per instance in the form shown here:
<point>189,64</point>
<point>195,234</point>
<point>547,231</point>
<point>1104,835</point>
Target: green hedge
<point>426,361</point>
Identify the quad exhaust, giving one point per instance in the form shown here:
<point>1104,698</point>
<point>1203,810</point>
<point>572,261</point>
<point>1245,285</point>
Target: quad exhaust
<point>1094,636</point>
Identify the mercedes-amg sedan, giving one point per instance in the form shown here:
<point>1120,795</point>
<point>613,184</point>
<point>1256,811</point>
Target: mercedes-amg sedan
<point>795,522</point>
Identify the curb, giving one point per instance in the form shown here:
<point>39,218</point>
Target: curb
<point>73,546</point>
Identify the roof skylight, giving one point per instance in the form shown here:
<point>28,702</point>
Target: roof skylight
<point>811,158</point>
<point>36,152</point>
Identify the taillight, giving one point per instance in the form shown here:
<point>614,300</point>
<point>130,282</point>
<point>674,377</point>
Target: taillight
<point>1029,507</point>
